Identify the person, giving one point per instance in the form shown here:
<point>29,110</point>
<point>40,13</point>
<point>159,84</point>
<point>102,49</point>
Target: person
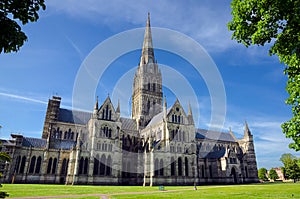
<point>195,188</point>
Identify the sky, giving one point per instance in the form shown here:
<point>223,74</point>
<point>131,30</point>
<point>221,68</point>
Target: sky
<point>69,33</point>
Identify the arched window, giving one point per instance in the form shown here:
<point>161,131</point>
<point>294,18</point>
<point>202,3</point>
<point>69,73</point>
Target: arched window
<point>202,171</point>
<point>172,167</point>
<point>153,87</point>
<point>96,166</point>
<point>23,164</point>
<point>149,86</point>
<point>54,165</point>
<point>156,169</point>
<point>109,133</point>
<point>210,171</point>
<point>148,106</point>
<point>102,165</point>
<point>32,164</point>
<point>64,167</point>
<point>161,169</point>
<point>17,167</point>
<point>186,164</point>
<point>106,112</point>
<point>86,164</point>
<point>179,166</point>
<point>108,166</point>
<point>80,171</point>
<point>38,165</point>
<point>49,165</point>
<point>246,171</point>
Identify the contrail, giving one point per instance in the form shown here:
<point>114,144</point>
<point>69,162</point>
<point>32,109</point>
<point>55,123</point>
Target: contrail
<point>22,98</point>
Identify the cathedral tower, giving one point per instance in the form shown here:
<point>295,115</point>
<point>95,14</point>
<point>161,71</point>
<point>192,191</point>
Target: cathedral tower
<point>147,85</point>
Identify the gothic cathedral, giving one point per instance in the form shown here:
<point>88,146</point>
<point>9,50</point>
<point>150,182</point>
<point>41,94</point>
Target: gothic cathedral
<point>158,145</point>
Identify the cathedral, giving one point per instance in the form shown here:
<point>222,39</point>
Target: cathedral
<point>158,145</point>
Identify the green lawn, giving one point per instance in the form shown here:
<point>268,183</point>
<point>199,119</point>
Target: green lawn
<point>270,190</point>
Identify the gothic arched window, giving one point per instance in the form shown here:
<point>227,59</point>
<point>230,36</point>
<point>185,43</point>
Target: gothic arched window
<point>86,163</point>
<point>186,162</point>
<point>102,165</point>
<point>179,166</point>
<point>54,165</point>
<point>38,165</point>
<point>108,166</point>
<point>49,166</point>
<point>32,164</point>
<point>156,167</point>
<point>172,166</point>
<point>161,169</point>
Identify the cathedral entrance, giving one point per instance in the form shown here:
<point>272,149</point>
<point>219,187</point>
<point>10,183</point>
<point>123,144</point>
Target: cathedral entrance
<point>234,176</point>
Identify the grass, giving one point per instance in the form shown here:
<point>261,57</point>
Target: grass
<point>269,190</point>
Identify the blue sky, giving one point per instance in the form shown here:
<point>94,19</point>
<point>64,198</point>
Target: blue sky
<point>68,31</point>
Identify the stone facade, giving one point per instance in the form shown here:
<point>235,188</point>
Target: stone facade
<point>158,145</point>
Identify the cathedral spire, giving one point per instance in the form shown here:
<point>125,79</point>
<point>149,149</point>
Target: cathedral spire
<point>147,51</point>
<point>247,132</point>
<point>190,114</point>
<point>96,105</point>
<point>118,107</point>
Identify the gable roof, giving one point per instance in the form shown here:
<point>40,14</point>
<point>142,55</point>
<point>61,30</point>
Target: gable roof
<point>34,142</point>
<point>213,154</point>
<point>128,124</point>
<point>73,116</point>
<point>158,118</point>
<point>213,135</point>
<point>63,144</point>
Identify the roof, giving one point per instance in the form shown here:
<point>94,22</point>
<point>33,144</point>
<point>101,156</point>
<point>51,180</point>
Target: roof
<point>212,154</point>
<point>6,142</point>
<point>41,143</point>
<point>158,118</point>
<point>63,144</point>
<point>74,116</point>
<point>128,124</point>
<point>213,135</point>
<point>34,142</point>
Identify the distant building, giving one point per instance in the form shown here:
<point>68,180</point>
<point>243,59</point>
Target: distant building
<point>279,173</point>
<point>158,145</point>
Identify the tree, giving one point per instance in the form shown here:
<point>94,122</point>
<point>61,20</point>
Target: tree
<point>262,174</point>
<point>273,174</point>
<point>11,12</point>
<point>258,22</point>
<point>291,169</point>
<point>287,158</point>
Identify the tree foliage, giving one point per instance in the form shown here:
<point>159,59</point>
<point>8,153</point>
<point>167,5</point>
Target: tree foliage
<point>291,169</point>
<point>287,158</point>
<point>258,22</point>
<point>262,174</point>
<point>12,12</point>
<point>273,174</point>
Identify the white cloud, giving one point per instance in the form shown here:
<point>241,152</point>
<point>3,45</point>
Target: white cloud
<point>22,98</point>
<point>204,21</point>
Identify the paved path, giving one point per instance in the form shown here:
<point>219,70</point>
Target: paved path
<point>102,196</point>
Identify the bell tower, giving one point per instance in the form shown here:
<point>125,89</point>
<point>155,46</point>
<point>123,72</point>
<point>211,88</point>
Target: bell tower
<point>147,85</point>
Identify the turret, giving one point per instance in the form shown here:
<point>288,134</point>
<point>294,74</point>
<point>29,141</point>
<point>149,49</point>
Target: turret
<point>96,107</point>
<point>190,115</point>
<point>51,114</point>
